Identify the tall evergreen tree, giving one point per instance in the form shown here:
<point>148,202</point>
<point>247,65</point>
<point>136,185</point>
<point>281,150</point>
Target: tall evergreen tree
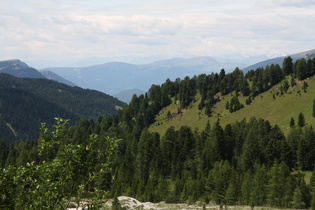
<point>231,193</point>
<point>301,69</point>
<point>250,150</point>
<point>292,122</point>
<point>277,194</point>
<point>287,65</point>
<point>301,120</point>
<point>305,86</point>
<point>221,175</point>
<point>259,192</point>
<point>246,188</point>
<point>297,199</point>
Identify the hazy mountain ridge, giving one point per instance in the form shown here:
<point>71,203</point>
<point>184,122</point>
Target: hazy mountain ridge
<point>307,55</point>
<point>126,95</point>
<point>52,76</point>
<point>115,77</point>
<point>17,68</point>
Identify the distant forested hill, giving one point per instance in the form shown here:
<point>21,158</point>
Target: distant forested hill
<point>22,112</point>
<point>25,103</point>
<point>18,68</point>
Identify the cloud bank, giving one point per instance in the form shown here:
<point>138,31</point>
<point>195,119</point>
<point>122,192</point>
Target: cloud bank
<point>59,30</point>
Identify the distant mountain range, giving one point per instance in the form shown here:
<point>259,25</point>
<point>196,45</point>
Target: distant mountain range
<point>126,95</point>
<point>123,79</point>
<point>115,77</point>
<point>307,55</point>
<point>52,76</point>
<point>20,69</point>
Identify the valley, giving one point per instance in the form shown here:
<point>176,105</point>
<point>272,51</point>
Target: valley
<point>223,139</point>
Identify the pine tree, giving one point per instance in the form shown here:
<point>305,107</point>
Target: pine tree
<point>258,194</point>
<point>221,174</point>
<point>301,69</point>
<point>208,110</point>
<point>305,86</point>
<point>250,150</point>
<point>279,181</point>
<point>231,193</point>
<point>227,105</point>
<point>292,123</point>
<point>246,188</point>
<point>297,199</point>
<point>245,88</point>
<point>301,120</point>
<point>287,65</point>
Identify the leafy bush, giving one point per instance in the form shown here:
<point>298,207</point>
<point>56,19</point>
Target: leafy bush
<point>58,177</point>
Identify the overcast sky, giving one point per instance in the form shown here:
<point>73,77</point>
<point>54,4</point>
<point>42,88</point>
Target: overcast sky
<point>77,29</point>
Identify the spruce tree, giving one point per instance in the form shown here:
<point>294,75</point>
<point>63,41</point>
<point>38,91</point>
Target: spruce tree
<point>258,194</point>
<point>250,149</point>
<point>245,88</point>
<point>287,65</point>
<point>301,120</point>
<point>246,188</point>
<point>221,174</point>
<point>301,69</point>
<point>279,181</point>
<point>305,86</point>
<point>297,199</point>
<point>292,122</point>
<point>231,193</point>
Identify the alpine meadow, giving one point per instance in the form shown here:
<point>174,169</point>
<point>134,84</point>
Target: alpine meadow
<point>243,139</point>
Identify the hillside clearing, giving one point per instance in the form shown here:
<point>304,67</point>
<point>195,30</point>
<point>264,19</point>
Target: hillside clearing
<point>271,105</point>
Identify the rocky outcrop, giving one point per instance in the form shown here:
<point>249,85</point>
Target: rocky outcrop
<point>132,203</point>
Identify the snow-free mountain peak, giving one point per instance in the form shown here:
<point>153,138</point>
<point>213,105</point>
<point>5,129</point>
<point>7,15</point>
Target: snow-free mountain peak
<point>115,77</point>
<point>14,63</point>
<point>279,60</point>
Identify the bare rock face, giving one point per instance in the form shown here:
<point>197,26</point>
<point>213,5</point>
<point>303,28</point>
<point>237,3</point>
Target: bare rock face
<point>131,203</point>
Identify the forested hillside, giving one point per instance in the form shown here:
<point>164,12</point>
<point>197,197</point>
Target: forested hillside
<point>25,103</point>
<point>278,103</point>
<point>249,161</point>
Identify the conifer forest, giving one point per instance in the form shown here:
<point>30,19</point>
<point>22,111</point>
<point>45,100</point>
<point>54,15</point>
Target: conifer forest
<point>249,162</point>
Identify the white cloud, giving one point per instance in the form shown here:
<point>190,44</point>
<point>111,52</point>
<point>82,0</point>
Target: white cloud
<point>286,3</point>
<point>37,30</point>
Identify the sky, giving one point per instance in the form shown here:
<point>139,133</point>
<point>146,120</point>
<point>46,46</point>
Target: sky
<point>62,30</point>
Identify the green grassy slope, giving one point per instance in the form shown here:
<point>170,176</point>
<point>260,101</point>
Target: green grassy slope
<point>278,109</point>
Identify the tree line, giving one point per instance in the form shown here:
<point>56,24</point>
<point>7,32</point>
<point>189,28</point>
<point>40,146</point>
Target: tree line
<point>250,162</point>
